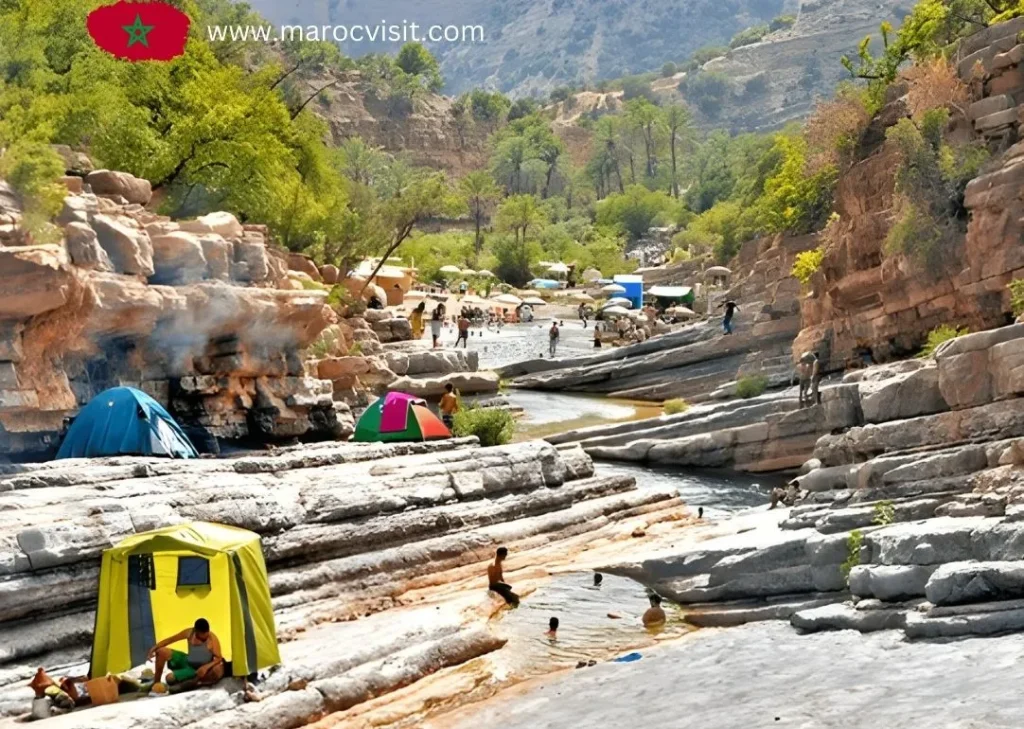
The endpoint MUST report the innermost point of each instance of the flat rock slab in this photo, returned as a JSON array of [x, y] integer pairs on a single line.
[[763, 675]]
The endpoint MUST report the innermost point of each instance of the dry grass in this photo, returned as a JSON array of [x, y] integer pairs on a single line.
[[934, 84], [832, 131]]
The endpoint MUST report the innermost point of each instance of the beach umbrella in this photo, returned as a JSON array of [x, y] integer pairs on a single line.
[[485, 273], [591, 274], [508, 300], [586, 298], [558, 268], [468, 272], [450, 269], [613, 288], [614, 311], [681, 311], [534, 301], [399, 417], [620, 301], [717, 271]]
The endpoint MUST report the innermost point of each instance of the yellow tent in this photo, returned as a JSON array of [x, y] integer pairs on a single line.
[[155, 584]]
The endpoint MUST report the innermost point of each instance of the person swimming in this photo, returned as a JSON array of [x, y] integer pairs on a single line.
[[598, 579], [552, 629], [655, 615]]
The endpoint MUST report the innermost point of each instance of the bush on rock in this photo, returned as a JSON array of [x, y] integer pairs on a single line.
[[493, 426]]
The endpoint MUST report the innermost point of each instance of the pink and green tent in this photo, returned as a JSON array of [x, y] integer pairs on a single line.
[[399, 417]]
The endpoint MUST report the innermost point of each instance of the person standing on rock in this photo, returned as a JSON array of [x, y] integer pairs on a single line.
[[463, 332], [436, 322], [416, 320], [731, 308], [553, 335], [809, 370], [496, 578], [449, 405], [582, 311]]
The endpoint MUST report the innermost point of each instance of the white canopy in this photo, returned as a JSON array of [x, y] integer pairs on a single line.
[[485, 273], [620, 301], [472, 300], [558, 268], [591, 274], [615, 311], [717, 271], [670, 292], [583, 297], [508, 300], [534, 301], [468, 272], [450, 269], [613, 288]]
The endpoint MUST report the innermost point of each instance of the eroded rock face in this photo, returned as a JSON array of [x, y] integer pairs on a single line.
[[128, 246], [178, 259], [110, 182]]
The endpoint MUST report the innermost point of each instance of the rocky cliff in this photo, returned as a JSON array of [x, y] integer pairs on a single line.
[[866, 303], [188, 311]]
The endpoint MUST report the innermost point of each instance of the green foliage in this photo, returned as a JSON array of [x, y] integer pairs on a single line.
[[930, 219], [489, 108], [793, 200], [807, 263], [669, 69], [493, 426], [634, 211], [636, 87], [708, 90], [560, 93], [938, 335], [884, 513], [324, 345], [415, 60], [32, 169], [1016, 288], [675, 406], [749, 36], [853, 545], [750, 386], [782, 21]]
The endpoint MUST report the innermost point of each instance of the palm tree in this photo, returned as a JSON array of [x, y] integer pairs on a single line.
[[518, 214], [480, 192], [679, 122]]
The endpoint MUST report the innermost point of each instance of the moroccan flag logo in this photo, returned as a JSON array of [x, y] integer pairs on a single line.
[[139, 31]]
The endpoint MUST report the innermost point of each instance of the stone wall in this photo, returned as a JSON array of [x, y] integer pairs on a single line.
[[868, 304]]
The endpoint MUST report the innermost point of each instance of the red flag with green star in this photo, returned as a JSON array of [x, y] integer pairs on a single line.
[[139, 31]]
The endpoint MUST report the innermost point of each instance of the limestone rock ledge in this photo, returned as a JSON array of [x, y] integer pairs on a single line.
[[348, 529]]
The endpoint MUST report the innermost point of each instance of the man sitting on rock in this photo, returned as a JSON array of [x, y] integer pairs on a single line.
[[203, 663], [496, 578]]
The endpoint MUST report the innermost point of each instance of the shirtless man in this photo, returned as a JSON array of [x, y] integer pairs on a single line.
[[496, 578], [203, 662], [655, 615]]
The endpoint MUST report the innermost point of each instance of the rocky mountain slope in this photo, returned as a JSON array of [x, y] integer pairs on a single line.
[[533, 46]]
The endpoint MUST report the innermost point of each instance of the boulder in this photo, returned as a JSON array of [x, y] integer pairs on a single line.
[[251, 261], [336, 368], [221, 223], [75, 162], [34, 280], [467, 383], [84, 247], [329, 274], [957, 583], [78, 208], [73, 184], [905, 395], [177, 259], [129, 248], [218, 254], [891, 583], [111, 182], [1006, 363], [304, 264]]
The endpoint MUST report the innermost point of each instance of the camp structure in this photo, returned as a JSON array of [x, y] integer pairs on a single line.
[[399, 417], [128, 422], [158, 583]]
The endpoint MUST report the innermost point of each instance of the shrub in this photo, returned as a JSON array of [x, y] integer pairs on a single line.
[[782, 21], [938, 335], [935, 84], [493, 426], [1017, 296], [884, 513], [853, 544], [751, 386], [636, 87], [708, 90], [324, 344], [675, 406], [834, 127], [755, 86], [669, 69], [807, 264], [749, 36]]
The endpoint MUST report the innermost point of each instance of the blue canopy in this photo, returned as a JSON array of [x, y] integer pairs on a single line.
[[544, 283], [125, 421]]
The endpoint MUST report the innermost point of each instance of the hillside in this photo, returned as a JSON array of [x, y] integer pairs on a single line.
[[533, 46]]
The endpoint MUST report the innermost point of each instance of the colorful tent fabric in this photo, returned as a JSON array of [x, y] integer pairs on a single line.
[[155, 584], [125, 421], [399, 417]]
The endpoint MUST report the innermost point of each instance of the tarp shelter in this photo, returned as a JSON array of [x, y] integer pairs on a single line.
[[667, 295], [158, 583], [399, 417], [634, 286], [125, 421], [545, 283]]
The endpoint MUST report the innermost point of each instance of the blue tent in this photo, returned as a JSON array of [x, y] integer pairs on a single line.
[[125, 421]]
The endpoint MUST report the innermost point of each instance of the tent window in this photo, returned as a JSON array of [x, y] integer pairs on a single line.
[[141, 572], [193, 572]]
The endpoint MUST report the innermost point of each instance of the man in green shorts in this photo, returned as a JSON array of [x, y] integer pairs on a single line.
[[203, 661]]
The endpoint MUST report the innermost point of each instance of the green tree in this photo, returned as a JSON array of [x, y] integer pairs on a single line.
[[480, 193], [416, 60], [679, 123], [647, 119], [634, 211]]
